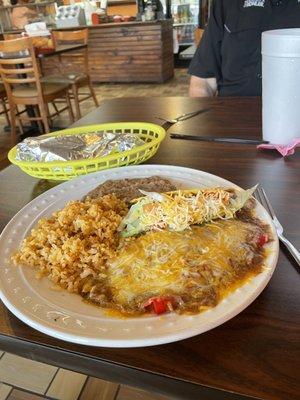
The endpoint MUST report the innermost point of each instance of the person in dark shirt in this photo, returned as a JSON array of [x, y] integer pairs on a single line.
[[228, 59]]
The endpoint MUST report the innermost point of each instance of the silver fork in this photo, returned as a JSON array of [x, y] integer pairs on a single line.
[[183, 117], [261, 196]]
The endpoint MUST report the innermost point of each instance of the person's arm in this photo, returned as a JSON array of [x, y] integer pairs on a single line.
[[21, 16], [202, 87], [206, 66]]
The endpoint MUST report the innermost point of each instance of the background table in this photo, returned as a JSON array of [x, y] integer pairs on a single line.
[[255, 354], [61, 49]]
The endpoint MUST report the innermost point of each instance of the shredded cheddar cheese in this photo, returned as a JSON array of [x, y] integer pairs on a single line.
[[177, 211]]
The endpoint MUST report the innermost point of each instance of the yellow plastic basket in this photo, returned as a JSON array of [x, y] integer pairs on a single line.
[[151, 134]]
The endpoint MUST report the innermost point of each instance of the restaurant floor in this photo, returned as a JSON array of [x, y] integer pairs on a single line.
[[23, 379], [178, 86]]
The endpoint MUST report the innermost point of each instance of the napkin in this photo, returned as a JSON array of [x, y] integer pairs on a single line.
[[284, 149], [37, 29]]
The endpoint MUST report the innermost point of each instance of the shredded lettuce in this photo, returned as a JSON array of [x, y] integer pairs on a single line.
[[242, 196]]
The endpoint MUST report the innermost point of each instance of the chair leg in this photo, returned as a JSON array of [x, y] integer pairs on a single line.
[[19, 121], [50, 122], [5, 112], [93, 93], [13, 124], [44, 116], [70, 110], [37, 114], [76, 101]]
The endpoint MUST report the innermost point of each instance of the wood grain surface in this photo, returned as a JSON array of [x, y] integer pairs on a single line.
[[255, 354], [127, 52]]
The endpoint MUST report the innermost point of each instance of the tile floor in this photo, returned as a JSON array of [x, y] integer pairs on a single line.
[[23, 379], [178, 86]]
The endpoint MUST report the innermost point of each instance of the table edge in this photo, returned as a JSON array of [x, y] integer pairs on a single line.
[[112, 371]]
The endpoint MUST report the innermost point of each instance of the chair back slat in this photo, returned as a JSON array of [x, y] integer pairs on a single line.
[[67, 37], [12, 59], [17, 81], [15, 45], [9, 71]]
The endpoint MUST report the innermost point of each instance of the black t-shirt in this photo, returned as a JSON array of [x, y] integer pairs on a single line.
[[230, 49]]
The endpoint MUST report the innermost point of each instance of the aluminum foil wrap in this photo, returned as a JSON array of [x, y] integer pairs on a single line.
[[76, 147]]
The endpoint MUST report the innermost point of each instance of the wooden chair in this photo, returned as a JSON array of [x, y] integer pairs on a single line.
[[76, 79], [21, 78]]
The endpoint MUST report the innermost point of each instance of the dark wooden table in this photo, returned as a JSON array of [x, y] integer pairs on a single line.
[[256, 354], [61, 49]]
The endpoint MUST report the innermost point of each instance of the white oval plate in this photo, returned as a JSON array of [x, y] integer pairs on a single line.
[[65, 316]]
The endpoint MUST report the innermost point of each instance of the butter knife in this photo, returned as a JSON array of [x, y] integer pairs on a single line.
[[217, 139]]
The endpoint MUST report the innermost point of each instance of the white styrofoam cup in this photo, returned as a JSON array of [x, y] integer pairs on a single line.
[[281, 85]]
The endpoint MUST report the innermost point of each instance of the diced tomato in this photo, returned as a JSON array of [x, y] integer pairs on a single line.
[[262, 240], [158, 304]]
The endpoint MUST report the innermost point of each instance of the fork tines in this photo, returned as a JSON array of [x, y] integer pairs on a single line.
[[261, 196]]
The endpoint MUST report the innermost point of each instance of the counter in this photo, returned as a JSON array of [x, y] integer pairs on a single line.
[[128, 52]]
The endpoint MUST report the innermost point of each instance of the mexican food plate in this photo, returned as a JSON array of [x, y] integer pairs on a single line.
[[136, 256]]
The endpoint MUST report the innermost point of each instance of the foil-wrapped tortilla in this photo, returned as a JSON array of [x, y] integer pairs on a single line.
[[76, 147]]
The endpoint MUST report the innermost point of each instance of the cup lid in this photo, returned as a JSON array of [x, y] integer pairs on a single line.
[[281, 43]]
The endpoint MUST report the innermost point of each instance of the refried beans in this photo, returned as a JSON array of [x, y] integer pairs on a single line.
[[129, 189]]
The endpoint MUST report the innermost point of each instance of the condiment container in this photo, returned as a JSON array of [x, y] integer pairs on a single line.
[[95, 18]]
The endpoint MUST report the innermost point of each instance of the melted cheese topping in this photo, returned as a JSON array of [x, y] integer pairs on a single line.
[[160, 263]]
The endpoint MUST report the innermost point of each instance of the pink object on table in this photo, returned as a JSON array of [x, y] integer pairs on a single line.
[[284, 149]]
